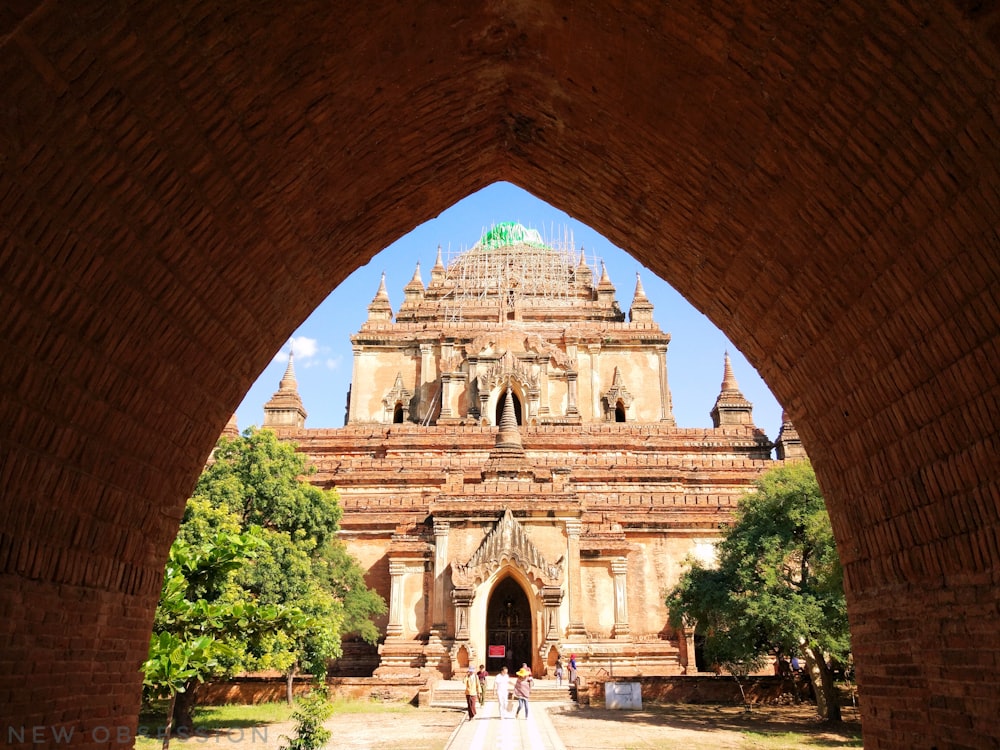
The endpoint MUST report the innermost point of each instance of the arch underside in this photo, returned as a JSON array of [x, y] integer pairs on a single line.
[[182, 183]]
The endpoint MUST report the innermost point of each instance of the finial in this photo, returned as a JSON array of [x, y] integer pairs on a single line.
[[728, 378], [288, 382]]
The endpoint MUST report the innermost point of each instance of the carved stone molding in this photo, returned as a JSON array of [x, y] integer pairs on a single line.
[[508, 542]]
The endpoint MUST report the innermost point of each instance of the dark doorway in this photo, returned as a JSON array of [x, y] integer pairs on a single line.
[[397, 415], [508, 624], [619, 412], [517, 407]]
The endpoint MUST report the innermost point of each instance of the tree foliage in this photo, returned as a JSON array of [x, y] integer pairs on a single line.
[[778, 584], [290, 608]]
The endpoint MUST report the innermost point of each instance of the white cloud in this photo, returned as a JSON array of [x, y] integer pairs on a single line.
[[303, 347], [333, 363]]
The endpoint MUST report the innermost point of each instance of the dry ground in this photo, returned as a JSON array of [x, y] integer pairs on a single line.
[[686, 726], [701, 728]]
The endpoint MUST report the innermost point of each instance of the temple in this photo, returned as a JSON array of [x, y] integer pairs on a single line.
[[510, 470]]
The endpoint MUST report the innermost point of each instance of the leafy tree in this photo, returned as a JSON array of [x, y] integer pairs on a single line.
[[778, 584], [302, 581], [186, 646]]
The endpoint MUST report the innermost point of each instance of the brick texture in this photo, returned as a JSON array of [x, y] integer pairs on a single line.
[[182, 183]]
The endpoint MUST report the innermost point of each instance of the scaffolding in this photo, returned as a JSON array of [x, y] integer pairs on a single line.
[[510, 263]]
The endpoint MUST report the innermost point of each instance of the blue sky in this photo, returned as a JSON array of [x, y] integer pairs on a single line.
[[322, 343]]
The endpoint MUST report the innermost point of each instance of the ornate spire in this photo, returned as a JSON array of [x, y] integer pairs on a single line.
[[642, 308], [731, 408], [438, 271], [416, 280], [288, 381], [285, 408], [380, 307], [231, 430], [605, 279], [788, 445], [728, 378], [413, 295], [507, 459], [509, 436]]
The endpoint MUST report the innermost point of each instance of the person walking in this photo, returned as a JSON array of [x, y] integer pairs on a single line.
[[572, 669], [522, 691], [559, 672], [501, 685], [482, 674], [471, 691]]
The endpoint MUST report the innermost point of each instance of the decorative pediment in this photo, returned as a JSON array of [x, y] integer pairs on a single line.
[[499, 343], [617, 392], [398, 395], [508, 542], [505, 369]]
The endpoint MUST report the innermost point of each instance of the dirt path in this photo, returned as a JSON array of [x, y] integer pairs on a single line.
[[699, 728]]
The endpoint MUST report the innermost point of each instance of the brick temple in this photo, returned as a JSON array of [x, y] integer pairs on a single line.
[[511, 473]]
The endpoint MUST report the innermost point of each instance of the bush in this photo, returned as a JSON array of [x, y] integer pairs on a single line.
[[310, 734]]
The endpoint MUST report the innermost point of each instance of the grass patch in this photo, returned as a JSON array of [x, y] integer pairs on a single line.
[[792, 740], [226, 723]]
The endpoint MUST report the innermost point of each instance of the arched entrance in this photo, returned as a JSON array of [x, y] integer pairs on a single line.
[[508, 624]]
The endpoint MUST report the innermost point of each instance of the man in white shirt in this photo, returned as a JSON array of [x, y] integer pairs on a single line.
[[501, 684]]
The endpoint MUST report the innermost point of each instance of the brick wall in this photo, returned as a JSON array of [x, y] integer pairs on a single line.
[[182, 183]]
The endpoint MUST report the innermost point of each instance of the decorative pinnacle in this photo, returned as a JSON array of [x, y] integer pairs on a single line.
[[382, 293], [288, 382], [728, 378], [509, 436], [640, 293]]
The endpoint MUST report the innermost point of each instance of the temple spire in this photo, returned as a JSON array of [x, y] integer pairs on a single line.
[[642, 308], [288, 381], [728, 378], [285, 408], [788, 445], [731, 408], [438, 271], [509, 436], [380, 307]]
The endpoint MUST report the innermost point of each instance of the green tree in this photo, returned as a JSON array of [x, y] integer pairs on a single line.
[[301, 572], [778, 584], [186, 646]]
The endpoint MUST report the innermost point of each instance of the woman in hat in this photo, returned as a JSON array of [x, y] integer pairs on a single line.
[[522, 691]]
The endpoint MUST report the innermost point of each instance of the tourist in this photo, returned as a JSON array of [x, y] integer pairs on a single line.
[[482, 674], [572, 669], [501, 684], [796, 667], [559, 672], [522, 691], [471, 691]]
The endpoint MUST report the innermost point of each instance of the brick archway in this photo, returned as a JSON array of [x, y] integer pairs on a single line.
[[182, 183]]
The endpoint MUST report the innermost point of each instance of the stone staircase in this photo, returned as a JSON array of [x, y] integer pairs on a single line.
[[451, 693]]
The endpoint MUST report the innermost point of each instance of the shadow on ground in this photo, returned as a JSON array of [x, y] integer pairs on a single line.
[[718, 726]]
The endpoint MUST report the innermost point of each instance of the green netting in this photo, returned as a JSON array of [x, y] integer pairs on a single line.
[[510, 233]]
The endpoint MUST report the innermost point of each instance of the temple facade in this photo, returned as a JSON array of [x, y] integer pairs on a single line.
[[510, 470]]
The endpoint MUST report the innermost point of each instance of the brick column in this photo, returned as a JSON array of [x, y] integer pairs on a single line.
[[619, 570], [571, 409], [440, 613], [397, 572], [573, 530]]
